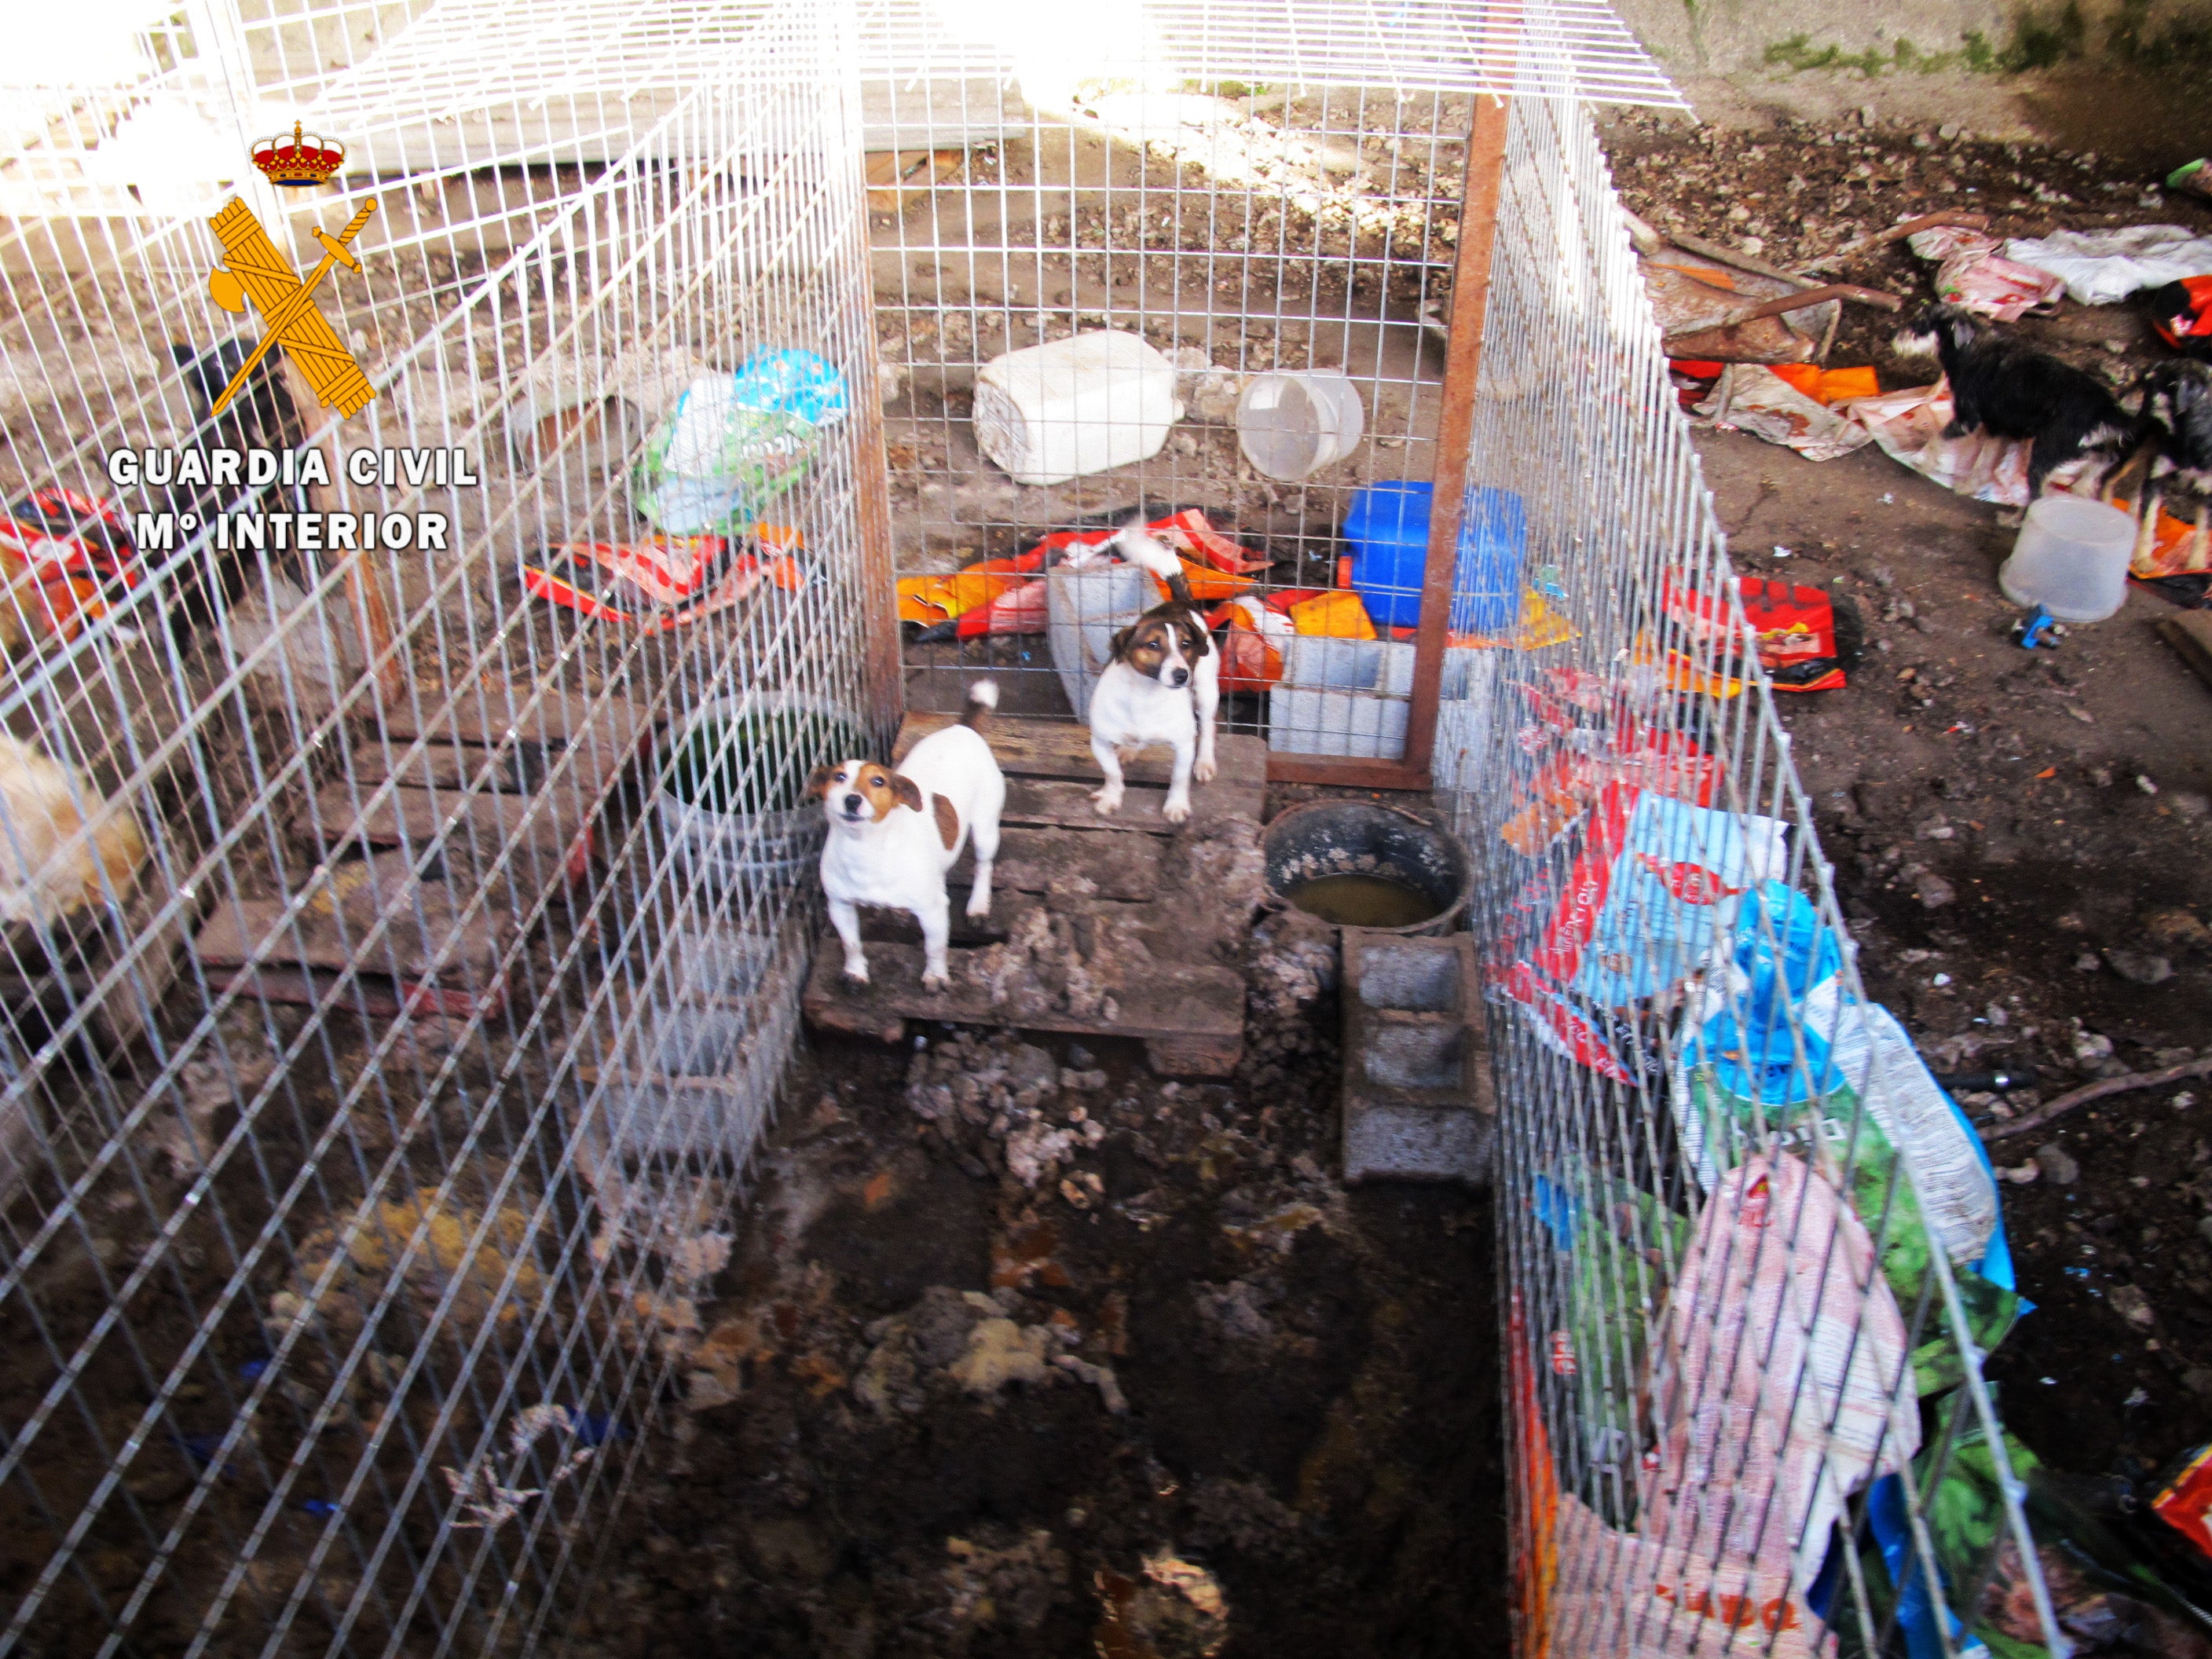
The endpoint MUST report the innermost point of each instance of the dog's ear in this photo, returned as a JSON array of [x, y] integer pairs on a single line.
[[818, 780], [1122, 641], [907, 791], [1198, 639]]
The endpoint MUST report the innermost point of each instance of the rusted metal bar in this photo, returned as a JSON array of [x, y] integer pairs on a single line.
[[1898, 233], [1478, 233], [884, 692]]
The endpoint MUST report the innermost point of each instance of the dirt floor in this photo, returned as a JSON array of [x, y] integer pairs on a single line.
[[1027, 1349]]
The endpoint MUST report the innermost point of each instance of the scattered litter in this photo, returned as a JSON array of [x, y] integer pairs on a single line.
[[735, 442], [1750, 397], [2100, 267], [1972, 274], [1175, 1611], [481, 1501]]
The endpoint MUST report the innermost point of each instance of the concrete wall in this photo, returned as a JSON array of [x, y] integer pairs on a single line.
[[2125, 77]]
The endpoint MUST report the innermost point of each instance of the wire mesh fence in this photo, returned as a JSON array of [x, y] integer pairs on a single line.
[[1753, 1255], [398, 962]]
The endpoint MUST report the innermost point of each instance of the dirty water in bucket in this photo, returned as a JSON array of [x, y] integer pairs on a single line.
[[1357, 863], [1363, 901]]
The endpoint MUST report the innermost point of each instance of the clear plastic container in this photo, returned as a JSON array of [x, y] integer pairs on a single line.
[[2071, 559], [1290, 426]]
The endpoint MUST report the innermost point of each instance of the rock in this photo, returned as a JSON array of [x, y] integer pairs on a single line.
[[2204, 1228], [1034, 1153], [2058, 1164], [1000, 1352], [1100, 1377], [2175, 929], [2189, 804], [1175, 1611], [2138, 968], [2090, 1045], [2198, 1382], [2132, 1305], [1932, 891]]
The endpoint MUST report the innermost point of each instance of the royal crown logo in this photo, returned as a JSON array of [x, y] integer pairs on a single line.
[[302, 160], [254, 273]]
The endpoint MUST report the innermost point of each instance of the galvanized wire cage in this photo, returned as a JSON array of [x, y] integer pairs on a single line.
[[1753, 1257], [399, 965]]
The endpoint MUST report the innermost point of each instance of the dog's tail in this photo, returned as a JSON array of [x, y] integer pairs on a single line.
[[1140, 547], [982, 698]]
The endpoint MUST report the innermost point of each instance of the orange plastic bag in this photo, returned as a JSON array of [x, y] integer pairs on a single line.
[[1828, 386], [1336, 615], [1249, 660], [934, 598]]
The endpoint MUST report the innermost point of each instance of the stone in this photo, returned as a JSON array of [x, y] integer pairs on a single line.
[[1932, 891], [2132, 1305], [2140, 968], [2058, 1164]]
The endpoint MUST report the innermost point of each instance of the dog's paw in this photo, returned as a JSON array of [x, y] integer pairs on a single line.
[[937, 982], [1177, 810], [1108, 802], [979, 912], [1204, 770], [856, 972]]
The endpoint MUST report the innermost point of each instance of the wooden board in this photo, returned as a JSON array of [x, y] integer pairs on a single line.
[[1152, 999], [424, 937], [1121, 864], [549, 824], [2189, 633], [1067, 804], [554, 717], [1061, 749]]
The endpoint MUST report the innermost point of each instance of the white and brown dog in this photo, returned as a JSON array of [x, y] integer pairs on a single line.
[[893, 834], [1163, 685]]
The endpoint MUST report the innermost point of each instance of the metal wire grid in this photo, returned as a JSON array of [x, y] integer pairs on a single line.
[[304, 1300], [1575, 410], [1236, 235]]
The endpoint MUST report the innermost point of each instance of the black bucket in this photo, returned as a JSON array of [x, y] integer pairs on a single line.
[[1356, 863]]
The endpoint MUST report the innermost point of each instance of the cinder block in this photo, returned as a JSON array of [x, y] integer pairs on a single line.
[[1418, 1102]]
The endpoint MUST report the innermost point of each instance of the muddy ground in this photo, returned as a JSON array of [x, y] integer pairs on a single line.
[[1026, 1349]]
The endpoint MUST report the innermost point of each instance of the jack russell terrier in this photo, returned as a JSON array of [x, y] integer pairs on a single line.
[[893, 835], [1163, 685]]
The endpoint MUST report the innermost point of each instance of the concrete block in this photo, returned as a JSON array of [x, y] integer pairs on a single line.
[[1418, 1101]]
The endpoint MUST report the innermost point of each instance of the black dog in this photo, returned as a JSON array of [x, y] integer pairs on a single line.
[[2177, 406], [200, 582], [2011, 391]]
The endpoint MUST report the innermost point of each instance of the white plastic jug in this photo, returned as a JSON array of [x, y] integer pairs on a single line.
[[2071, 559], [1057, 411]]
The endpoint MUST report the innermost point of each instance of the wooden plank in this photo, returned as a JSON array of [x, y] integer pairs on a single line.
[[1061, 749], [549, 823], [1195, 1056], [425, 935], [2189, 633], [1111, 864], [554, 717], [1340, 773], [1067, 804], [1150, 997], [438, 765]]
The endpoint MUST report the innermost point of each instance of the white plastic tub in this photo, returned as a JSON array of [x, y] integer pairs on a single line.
[[1290, 426], [1084, 609], [1048, 413], [2071, 559]]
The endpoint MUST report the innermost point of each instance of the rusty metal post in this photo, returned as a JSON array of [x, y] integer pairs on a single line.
[[1478, 233]]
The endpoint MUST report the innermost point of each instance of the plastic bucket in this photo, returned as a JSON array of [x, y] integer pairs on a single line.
[[1291, 425], [1325, 838], [1389, 529], [775, 842], [1084, 609], [2071, 558]]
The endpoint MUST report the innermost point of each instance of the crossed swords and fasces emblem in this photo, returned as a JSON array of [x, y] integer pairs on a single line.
[[255, 271]]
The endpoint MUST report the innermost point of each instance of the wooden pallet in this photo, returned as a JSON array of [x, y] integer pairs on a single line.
[[1153, 913]]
